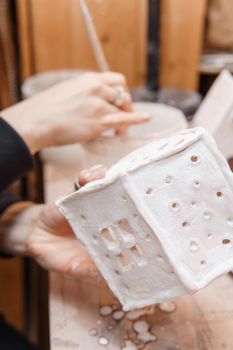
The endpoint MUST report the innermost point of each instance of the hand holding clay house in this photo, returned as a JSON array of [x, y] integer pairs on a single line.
[[165, 224]]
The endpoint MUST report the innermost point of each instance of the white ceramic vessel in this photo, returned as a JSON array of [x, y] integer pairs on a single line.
[[160, 225], [215, 114]]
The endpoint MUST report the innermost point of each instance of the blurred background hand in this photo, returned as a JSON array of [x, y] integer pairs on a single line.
[[74, 111]]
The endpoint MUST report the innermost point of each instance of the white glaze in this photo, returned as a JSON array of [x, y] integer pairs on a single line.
[[129, 345], [134, 314], [147, 337], [147, 213], [118, 315], [105, 310], [168, 306], [141, 326]]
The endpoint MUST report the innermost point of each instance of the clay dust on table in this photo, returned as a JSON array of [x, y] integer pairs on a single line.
[[133, 325]]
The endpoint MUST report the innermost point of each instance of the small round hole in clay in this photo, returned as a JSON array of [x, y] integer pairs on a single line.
[[193, 204], [195, 159], [160, 258], [175, 206], [95, 238], [148, 238], [210, 236], [124, 199], [169, 179], [226, 242], [207, 215], [149, 190], [230, 221], [186, 224], [194, 247], [83, 217], [203, 262], [117, 272], [196, 185], [219, 194]]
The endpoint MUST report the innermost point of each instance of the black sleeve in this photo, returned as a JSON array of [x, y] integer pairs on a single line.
[[15, 161], [6, 199], [15, 158]]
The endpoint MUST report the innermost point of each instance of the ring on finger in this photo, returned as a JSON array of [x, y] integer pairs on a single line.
[[120, 97], [77, 185]]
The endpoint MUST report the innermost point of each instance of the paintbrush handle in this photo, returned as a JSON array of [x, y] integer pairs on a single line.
[[94, 39]]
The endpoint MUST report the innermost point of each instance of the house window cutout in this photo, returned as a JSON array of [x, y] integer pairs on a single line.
[[123, 261], [109, 238], [125, 230], [137, 252]]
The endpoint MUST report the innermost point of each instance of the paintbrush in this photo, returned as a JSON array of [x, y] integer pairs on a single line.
[[94, 39]]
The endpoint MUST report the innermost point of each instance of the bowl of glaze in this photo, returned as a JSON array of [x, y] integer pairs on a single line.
[[42, 81]]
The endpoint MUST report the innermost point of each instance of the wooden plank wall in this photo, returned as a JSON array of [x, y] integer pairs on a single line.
[[11, 271], [11, 291], [58, 37], [53, 37], [183, 24]]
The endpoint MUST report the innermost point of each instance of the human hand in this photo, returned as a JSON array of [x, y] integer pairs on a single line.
[[74, 111], [42, 232]]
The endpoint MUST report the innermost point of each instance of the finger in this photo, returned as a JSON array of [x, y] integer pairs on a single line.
[[102, 107], [83, 267], [118, 97], [124, 119], [50, 216], [95, 173], [122, 99], [66, 256], [122, 132], [113, 79]]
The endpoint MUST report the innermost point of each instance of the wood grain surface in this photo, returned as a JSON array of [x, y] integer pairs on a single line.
[[53, 36]]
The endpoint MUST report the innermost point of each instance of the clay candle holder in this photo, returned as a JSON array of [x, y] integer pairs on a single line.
[[160, 225]]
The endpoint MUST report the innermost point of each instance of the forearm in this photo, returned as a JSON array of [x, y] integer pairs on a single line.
[[17, 116], [16, 224]]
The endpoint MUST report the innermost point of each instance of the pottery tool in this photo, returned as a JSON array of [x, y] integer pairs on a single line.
[[94, 38]]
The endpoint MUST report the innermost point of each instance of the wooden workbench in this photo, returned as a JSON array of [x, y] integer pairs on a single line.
[[203, 321]]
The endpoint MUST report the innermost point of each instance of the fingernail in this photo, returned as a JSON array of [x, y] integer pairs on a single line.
[[146, 115], [75, 266], [95, 274], [89, 172], [95, 167], [86, 173], [95, 173]]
